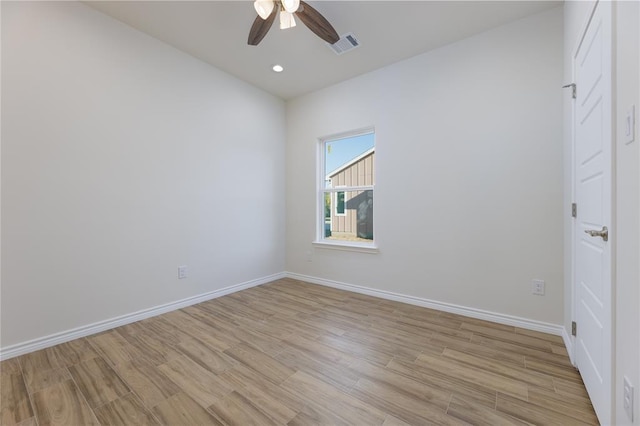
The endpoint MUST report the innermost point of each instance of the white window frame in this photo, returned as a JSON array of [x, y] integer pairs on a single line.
[[320, 240]]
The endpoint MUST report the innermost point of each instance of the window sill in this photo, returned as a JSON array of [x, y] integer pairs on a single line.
[[361, 248]]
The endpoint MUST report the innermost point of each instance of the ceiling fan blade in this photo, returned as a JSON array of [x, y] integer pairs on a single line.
[[317, 23], [261, 27]]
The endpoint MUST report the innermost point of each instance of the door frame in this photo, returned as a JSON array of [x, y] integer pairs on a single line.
[[574, 299]]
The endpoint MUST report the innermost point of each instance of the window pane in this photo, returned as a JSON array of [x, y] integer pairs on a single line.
[[340, 202], [356, 223], [345, 162]]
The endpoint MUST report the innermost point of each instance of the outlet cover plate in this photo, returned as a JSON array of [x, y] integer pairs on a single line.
[[627, 396], [537, 287], [182, 272]]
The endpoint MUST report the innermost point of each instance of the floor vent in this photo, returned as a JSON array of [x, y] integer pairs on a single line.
[[346, 43]]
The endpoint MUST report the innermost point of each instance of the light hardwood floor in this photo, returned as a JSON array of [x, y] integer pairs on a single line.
[[300, 354]]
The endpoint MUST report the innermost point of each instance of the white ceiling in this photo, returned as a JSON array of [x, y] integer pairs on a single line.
[[389, 31]]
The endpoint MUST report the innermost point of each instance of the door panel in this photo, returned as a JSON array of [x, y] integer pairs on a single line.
[[592, 157]]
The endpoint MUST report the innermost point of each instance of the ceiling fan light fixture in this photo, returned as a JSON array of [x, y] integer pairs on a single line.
[[264, 7], [286, 20], [310, 17], [291, 5]]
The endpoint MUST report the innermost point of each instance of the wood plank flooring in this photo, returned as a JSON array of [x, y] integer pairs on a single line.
[[294, 353]]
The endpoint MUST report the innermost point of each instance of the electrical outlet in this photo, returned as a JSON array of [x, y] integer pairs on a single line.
[[627, 396], [537, 287], [182, 272]]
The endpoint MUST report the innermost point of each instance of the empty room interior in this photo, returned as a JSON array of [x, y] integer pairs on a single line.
[[320, 213]]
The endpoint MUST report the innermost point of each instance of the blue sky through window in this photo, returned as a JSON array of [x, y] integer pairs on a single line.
[[340, 151]]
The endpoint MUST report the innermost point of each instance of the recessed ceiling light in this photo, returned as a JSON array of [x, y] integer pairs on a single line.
[[278, 68]]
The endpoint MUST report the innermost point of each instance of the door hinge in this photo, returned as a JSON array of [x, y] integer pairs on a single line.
[[574, 328], [574, 210], [573, 89]]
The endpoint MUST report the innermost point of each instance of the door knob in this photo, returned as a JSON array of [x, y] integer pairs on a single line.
[[604, 233]]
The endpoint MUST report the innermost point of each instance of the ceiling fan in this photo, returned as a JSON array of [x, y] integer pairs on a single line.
[[268, 9]]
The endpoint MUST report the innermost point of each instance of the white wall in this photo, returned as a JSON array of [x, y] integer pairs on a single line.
[[626, 71], [469, 172], [123, 158], [627, 75]]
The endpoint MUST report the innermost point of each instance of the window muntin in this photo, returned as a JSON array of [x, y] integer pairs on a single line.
[[346, 189]]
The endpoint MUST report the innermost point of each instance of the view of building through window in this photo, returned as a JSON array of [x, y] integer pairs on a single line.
[[348, 188]]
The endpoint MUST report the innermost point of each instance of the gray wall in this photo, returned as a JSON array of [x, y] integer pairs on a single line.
[[117, 153], [468, 172]]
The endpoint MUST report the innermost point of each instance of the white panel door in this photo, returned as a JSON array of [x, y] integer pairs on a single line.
[[593, 192]]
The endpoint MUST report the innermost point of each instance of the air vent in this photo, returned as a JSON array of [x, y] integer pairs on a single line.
[[346, 43]]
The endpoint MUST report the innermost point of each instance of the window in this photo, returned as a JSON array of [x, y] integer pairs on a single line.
[[346, 186], [339, 203]]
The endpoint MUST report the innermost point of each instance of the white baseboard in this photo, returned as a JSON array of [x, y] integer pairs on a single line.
[[511, 320], [86, 330], [568, 343]]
